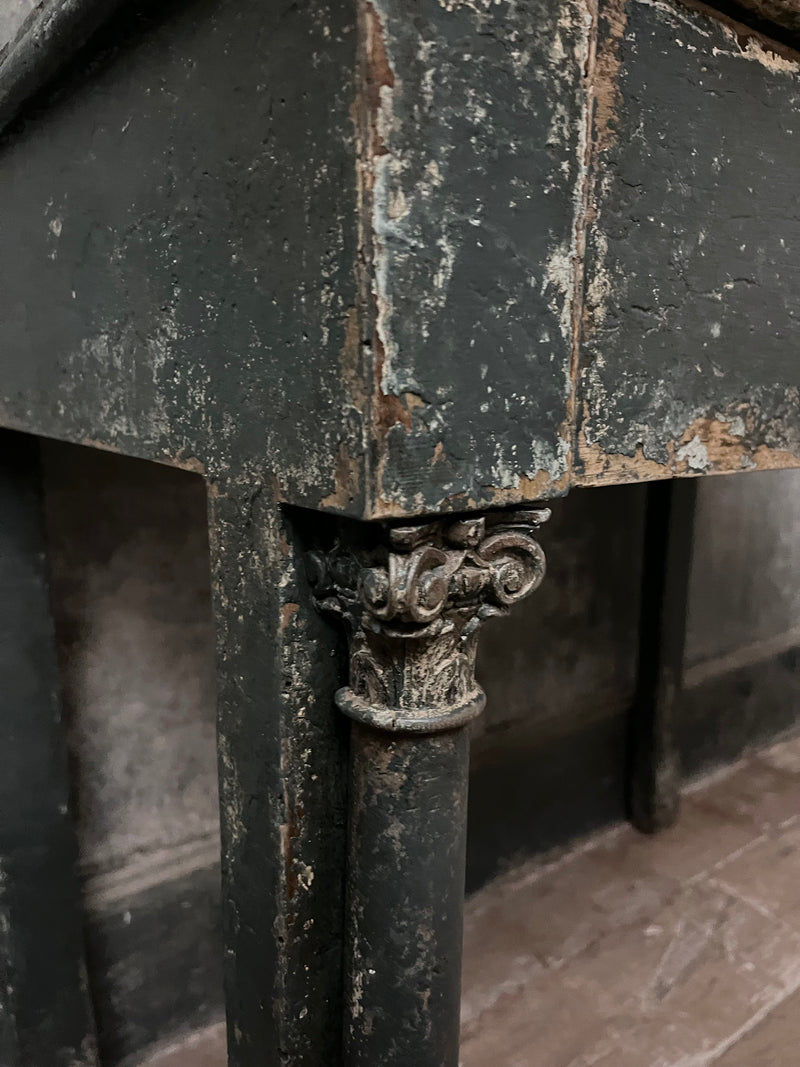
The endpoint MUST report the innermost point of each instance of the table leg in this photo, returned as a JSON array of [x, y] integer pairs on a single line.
[[413, 599], [654, 772], [405, 903], [282, 774]]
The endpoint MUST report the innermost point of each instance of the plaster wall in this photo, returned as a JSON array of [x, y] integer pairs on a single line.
[[745, 587], [131, 594], [12, 14]]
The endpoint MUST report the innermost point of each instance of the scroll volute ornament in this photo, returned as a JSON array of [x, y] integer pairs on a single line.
[[413, 603]]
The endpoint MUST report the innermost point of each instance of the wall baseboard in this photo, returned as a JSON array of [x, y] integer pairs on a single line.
[[155, 960], [725, 714]]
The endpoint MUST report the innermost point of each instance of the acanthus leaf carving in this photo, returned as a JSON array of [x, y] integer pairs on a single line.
[[413, 601]]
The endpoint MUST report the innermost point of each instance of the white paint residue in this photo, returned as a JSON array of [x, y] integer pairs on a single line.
[[695, 453], [736, 427], [757, 53], [675, 15], [480, 7], [305, 875]]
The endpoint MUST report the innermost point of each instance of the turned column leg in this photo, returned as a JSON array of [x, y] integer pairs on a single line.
[[413, 599], [405, 897]]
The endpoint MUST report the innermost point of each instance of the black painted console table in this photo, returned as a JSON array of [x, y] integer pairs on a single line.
[[393, 276]]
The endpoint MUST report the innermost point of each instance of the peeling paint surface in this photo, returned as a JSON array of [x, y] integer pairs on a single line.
[[407, 844], [331, 254], [389, 318], [470, 186], [180, 227], [177, 283], [691, 315]]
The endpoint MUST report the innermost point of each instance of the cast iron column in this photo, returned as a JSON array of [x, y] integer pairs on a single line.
[[413, 598]]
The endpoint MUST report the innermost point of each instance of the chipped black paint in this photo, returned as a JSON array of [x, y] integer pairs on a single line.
[[178, 260], [472, 213], [413, 600], [329, 253], [210, 286], [691, 293], [179, 228], [185, 223], [282, 765]]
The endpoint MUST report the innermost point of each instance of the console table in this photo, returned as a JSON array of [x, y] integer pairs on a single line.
[[393, 276]]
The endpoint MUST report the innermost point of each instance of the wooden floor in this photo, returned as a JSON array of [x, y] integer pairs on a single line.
[[681, 950]]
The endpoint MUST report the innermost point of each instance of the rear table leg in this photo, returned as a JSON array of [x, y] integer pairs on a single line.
[[654, 772]]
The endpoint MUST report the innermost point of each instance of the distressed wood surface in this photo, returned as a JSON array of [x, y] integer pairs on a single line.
[[331, 254], [178, 227], [691, 312], [179, 238], [369, 284], [473, 118], [282, 765], [224, 265]]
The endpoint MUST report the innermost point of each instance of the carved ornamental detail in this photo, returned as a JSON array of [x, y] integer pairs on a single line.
[[413, 600]]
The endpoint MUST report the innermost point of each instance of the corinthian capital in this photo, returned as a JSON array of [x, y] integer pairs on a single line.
[[413, 599]]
